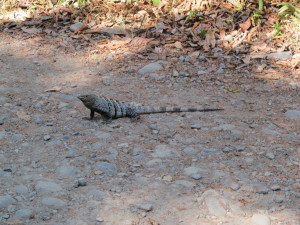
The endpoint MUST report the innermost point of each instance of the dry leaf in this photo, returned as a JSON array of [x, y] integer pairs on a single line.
[[210, 41], [246, 25], [247, 59], [178, 44], [167, 178], [194, 54], [103, 42], [24, 116], [259, 46], [222, 34], [140, 41], [233, 90], [268, 77]]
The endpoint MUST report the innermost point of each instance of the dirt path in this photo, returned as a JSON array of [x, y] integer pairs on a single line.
[[239, 166]]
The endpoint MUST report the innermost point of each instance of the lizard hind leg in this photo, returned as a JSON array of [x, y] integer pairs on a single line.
[[131, 113]]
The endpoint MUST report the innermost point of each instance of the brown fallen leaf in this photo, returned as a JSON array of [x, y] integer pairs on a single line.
[[103, 42], [140, 41], [246, 25], [178, 45], [247, 59], [62, 9], [268, 77], [210, 41], [23, 115], [222, 34]]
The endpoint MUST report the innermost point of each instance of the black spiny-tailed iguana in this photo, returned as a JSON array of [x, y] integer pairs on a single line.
[[112, 109]]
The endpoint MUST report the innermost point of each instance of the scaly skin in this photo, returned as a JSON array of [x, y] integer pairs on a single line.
[[112, 109]]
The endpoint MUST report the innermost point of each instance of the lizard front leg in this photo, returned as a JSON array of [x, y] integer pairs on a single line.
[[92, 114]]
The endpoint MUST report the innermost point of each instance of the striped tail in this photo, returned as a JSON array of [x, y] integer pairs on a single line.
[[148, 110]]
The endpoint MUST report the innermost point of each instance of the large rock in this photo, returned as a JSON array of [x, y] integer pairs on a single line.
[[6, 201], [185, 183], [76, 26], [23, 213], [150, 68], [212, 200], [211, 151], [44, 187], [2, 134], [293, 114], [189, 171], [66, 171], [260, 219], [107, 168], [54, 203], [21, 189], [164, 151]]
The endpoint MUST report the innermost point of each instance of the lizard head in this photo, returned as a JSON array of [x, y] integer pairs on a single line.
[[86, 97]]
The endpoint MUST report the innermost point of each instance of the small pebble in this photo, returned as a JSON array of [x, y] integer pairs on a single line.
[[262, 190], [7, 169], [153, 127], [240, 148], [47, 137], [182, 58], [196, 176], [99, 219], [106, 82], [82, 182], [235, 186], [39, 121], [275, 188], [130, 70], [65, 137], [183, 74], [196, 126], [270, 155], [227, 149], [5, 216], [93, 155], [146, 207]]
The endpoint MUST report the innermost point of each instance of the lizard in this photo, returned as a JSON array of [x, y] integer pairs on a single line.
[[113, 109]]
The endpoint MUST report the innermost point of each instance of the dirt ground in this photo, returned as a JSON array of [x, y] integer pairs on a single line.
[[237, 166]]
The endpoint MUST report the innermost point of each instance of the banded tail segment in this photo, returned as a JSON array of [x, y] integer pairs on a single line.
[[149, 110]]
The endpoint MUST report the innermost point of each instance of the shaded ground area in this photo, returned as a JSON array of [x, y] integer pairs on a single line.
[[238, 166]]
